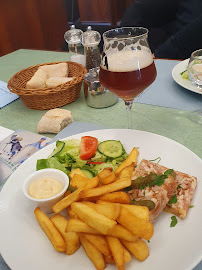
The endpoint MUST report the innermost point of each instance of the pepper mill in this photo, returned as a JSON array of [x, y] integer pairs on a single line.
[[90, 40], [73, 38]]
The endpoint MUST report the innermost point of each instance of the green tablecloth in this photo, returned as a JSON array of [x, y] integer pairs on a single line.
[[168, 122]]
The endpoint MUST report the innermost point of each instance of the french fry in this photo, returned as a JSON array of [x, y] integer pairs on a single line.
[[93, 218], [118, 185], [71, 238], [117, 251], [122, 233], [115, 197], [137, 226], [132, 158], [72, 242], [108, 179], [137, 210], [104, 173], [109, 260], [138, 248], [67, 192], [93, 253], [110, 210], [71, 213], [77, 225], [126, 255], [76, 171], [99, 242], [79, 181], [50, 230], [66, 201], [90, 199], [73, 197], [127, 171]]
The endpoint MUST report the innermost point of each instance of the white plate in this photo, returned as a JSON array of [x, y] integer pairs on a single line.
[[24, 245], [182, 66]]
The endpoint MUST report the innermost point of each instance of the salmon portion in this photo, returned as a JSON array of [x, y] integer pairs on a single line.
[[183, 186]]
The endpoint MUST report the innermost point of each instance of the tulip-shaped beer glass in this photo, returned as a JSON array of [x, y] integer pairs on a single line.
[[127, 66]]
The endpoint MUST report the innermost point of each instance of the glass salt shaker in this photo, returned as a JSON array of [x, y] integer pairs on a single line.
[[73, 38], [96, 95], [90, 40]]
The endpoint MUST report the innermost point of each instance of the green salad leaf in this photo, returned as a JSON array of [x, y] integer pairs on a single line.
[[66, 157]]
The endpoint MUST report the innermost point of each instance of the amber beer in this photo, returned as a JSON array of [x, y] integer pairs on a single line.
[[124, 82]]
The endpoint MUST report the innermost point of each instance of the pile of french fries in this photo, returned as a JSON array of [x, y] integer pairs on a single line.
[[101, 218]]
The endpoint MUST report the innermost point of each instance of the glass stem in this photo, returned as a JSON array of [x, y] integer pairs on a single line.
[[129, 113]]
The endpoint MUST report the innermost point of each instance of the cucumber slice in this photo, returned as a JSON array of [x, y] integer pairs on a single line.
[[87, 173], [59, 147], [111, 148]]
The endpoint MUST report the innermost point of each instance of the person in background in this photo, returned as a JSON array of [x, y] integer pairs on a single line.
[[174, 25], [183, 43]]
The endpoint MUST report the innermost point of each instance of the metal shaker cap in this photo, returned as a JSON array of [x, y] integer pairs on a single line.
[[90, 38], [73, 36], [93, 75]]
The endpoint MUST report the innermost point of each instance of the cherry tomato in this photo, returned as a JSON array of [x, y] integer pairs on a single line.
[[88, 147]]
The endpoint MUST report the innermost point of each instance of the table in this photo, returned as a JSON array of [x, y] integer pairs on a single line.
[[169, 122], [172, 123]]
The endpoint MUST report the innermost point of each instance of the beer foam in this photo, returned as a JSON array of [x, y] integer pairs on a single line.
[[129, 60]]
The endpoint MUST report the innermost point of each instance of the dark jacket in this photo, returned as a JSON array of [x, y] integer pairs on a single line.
[[165, 19], [183, 43]]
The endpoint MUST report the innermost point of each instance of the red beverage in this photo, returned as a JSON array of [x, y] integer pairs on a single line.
[[128, 85], [128, 73]]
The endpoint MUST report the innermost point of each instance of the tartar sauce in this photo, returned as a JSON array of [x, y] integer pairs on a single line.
[[44, 188]]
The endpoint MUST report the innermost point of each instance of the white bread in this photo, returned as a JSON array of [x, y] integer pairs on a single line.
[[54, 121], [55, 81], [56, 70], [38, 80]]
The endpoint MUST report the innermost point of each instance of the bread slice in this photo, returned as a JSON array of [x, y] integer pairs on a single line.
[[55, 70], [183, 186], [38, 80], [55, 81], [54, 121]]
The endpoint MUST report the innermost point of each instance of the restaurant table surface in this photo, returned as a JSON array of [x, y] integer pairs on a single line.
[[165, 121]]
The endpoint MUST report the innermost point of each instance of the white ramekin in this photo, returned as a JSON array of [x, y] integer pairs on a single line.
[[46, 204]]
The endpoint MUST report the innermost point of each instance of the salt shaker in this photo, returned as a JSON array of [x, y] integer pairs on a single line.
[[90, 40], [73, 38]]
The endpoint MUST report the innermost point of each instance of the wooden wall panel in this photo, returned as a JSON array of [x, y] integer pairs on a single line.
[[101, 11], [32, 24]]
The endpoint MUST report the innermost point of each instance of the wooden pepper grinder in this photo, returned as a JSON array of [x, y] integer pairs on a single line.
[[90, 40]]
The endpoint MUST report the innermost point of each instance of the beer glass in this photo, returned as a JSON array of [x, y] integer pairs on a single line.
[[127, 66], [195, 75]]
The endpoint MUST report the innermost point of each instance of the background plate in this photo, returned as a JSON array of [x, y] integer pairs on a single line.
[[24, 246], [182, 66]]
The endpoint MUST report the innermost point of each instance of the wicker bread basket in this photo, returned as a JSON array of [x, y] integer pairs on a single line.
[[48, 98]]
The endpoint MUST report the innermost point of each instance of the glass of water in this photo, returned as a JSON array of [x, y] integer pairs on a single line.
[[195, 76]]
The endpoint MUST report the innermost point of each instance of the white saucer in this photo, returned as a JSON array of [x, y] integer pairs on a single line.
[[182, 66]]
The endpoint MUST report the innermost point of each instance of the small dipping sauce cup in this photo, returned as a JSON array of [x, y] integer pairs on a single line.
[[46, 204]]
